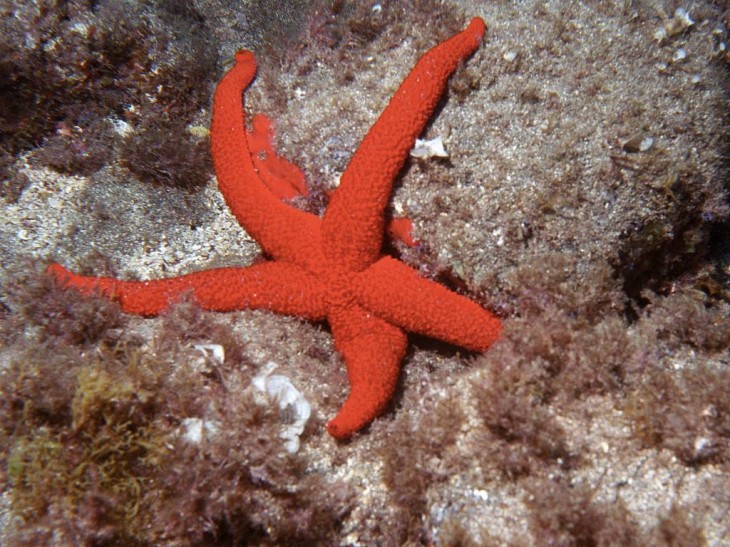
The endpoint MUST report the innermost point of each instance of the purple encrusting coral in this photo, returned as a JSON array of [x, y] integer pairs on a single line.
[[584, 197]]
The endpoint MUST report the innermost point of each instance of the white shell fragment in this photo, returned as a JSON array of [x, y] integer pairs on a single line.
[[212, 351], [122, 128], [295, 409], [429, 149], [638, 143], [194, 430], [682, 17], [676, 25]]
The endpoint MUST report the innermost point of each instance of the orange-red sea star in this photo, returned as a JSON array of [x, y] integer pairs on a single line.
[[328, 268]]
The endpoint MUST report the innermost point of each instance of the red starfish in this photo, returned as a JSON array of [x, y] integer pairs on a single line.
[[329, 268]]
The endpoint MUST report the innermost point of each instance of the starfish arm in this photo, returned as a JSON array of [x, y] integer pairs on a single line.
[[353, 223], [395, 292], [373, 351], [283, 232], [279, 287]]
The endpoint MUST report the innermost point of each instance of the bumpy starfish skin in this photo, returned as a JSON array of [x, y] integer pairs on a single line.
[[329, 268]]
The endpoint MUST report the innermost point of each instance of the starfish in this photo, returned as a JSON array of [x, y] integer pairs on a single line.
[[328, 268]]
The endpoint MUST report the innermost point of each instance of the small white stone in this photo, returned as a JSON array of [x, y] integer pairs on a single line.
[[710, 411], [481, 495], [509, 56], [498, 234], [700, 444]]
